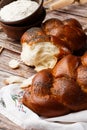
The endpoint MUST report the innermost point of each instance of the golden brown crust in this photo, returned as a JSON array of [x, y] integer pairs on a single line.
[[69, 31], [63, 89], [41, 100], [72, 22], [59, 91], [61, 45], [46, 107], [50, 26], [67, 66], [34, 35], [70, 94], [74, 37]]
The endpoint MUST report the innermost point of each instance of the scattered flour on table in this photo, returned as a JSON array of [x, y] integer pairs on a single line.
[[18, 10]]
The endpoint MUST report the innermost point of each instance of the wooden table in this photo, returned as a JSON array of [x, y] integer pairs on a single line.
[[12, 50]]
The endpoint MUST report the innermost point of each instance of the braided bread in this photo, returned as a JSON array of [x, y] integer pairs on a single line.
[[61, 90], [42, 47], [69, 31]]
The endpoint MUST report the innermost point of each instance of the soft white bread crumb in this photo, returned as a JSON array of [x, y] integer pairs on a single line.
[[27, 82], [13, 79], [41, 55], [14, 64]]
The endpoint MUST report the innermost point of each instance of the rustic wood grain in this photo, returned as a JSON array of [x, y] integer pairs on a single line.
[[76, 9], [22, 71], [12, 50]]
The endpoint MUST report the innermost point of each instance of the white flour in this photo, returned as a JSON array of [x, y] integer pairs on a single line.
[[18, 10]]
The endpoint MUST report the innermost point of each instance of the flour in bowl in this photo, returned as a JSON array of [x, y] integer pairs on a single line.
[[18, 10]]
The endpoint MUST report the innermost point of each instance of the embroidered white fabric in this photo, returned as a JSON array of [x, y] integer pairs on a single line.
[[13, 109]]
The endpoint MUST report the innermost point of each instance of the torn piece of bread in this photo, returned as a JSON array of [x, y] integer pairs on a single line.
[[27, 82], [43, 46], [40, 55], [40, 50], [13, 79], [14, 64]]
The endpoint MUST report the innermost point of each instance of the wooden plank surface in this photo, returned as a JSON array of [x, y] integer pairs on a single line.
[[12, 50]]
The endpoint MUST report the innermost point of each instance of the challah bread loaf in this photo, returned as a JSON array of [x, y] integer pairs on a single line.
[[69, 30], [61, 90], [41, 50], [43, 46], [40, 99]]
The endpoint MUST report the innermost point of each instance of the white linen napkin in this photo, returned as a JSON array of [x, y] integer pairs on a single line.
[[13, 109]]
